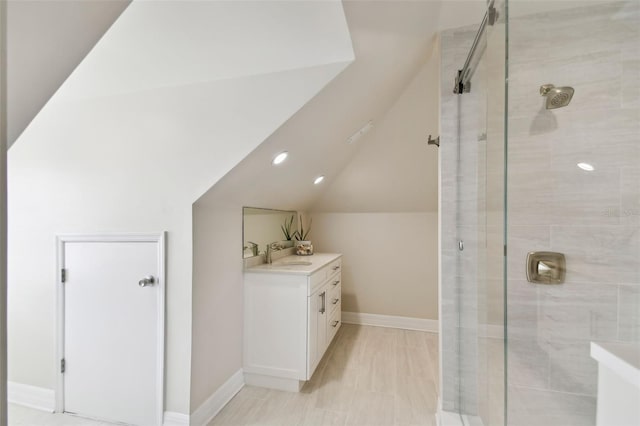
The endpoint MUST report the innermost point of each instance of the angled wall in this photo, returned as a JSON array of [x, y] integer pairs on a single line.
[[381, 210], [151, 119]]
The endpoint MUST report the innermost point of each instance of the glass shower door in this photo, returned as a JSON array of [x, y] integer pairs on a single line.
[[481, 226], [473, 222]]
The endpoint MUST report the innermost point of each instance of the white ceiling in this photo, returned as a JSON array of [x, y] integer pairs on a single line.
[[392, 40], [46, 40]]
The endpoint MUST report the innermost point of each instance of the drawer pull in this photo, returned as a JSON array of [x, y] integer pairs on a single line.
[[335, 301], [335, 283], [335, 323], [335, 268]]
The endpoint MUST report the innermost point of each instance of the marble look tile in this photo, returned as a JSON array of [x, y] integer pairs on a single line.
[[629, 313], [533, 407], [599, 254], [631, 76], [598, 85], [577, 312], [572, 368], [528, 363], [630, 194], [620, 151], [522, 313]]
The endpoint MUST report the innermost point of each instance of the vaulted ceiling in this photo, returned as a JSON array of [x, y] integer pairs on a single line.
[[46, 40], [393, 43]]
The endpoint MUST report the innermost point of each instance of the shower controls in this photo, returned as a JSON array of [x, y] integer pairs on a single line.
[[546, 267]]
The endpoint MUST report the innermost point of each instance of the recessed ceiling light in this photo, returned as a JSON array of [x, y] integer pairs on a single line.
[[280, 158], [586, 166], [318, 180]]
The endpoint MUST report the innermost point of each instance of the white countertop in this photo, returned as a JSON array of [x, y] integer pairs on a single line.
[[280, 266], [622, 358]]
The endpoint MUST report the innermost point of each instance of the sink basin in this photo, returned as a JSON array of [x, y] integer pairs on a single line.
[[296, 262]]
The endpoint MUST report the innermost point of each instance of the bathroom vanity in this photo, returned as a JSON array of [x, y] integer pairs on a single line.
[[292, 313]]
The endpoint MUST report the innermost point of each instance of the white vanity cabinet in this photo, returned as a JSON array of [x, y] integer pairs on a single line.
[[292, 312]]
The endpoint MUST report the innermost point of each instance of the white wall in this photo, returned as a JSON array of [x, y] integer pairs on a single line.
[[381, 210], [135, 161], [217, 298], [390, 260]]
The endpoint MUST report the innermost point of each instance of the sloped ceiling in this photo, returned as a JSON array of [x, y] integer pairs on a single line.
[[392, 40], [46, 40]]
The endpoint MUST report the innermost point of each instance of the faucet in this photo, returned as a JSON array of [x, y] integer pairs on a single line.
[[270, 249], [268, 254], [254, 248]]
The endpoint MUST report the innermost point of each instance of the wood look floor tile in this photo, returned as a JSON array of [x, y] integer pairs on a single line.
[[369, 376], [371, 409]]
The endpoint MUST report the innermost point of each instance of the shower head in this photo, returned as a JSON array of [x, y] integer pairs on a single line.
[[557, 97]]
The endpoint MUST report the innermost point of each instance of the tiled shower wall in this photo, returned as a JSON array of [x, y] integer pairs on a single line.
[[591, 217]]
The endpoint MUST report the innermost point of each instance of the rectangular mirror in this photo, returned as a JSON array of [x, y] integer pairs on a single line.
[[262, 227]]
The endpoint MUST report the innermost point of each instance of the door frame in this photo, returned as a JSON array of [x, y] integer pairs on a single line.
[[61, 239]]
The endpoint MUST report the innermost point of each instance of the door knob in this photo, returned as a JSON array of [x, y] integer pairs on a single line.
[[148, 280]]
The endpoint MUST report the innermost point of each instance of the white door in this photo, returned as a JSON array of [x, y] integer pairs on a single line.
[[112, 346]]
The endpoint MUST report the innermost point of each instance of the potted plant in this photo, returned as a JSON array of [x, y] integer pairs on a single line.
[[303, 245], [288, 231]]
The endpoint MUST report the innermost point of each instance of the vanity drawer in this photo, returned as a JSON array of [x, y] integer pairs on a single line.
[[335, 297], [320, 277], [335, 266], [335, 321]]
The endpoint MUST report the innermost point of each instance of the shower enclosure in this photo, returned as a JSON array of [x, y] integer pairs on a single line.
[[539, 152]]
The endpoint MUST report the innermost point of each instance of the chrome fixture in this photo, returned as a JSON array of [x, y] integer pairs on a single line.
[[546, 267], [463, 78], [435, 141], [557, 97], [148, 280], [254, 248], [270, 249]]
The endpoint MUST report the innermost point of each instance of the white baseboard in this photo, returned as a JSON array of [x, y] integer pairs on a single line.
[[31, 396], [391, 321], [171, 418], [44, 399], [218, 400]]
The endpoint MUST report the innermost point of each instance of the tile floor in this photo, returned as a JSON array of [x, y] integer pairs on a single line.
[[369, 376], [23, 416]]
